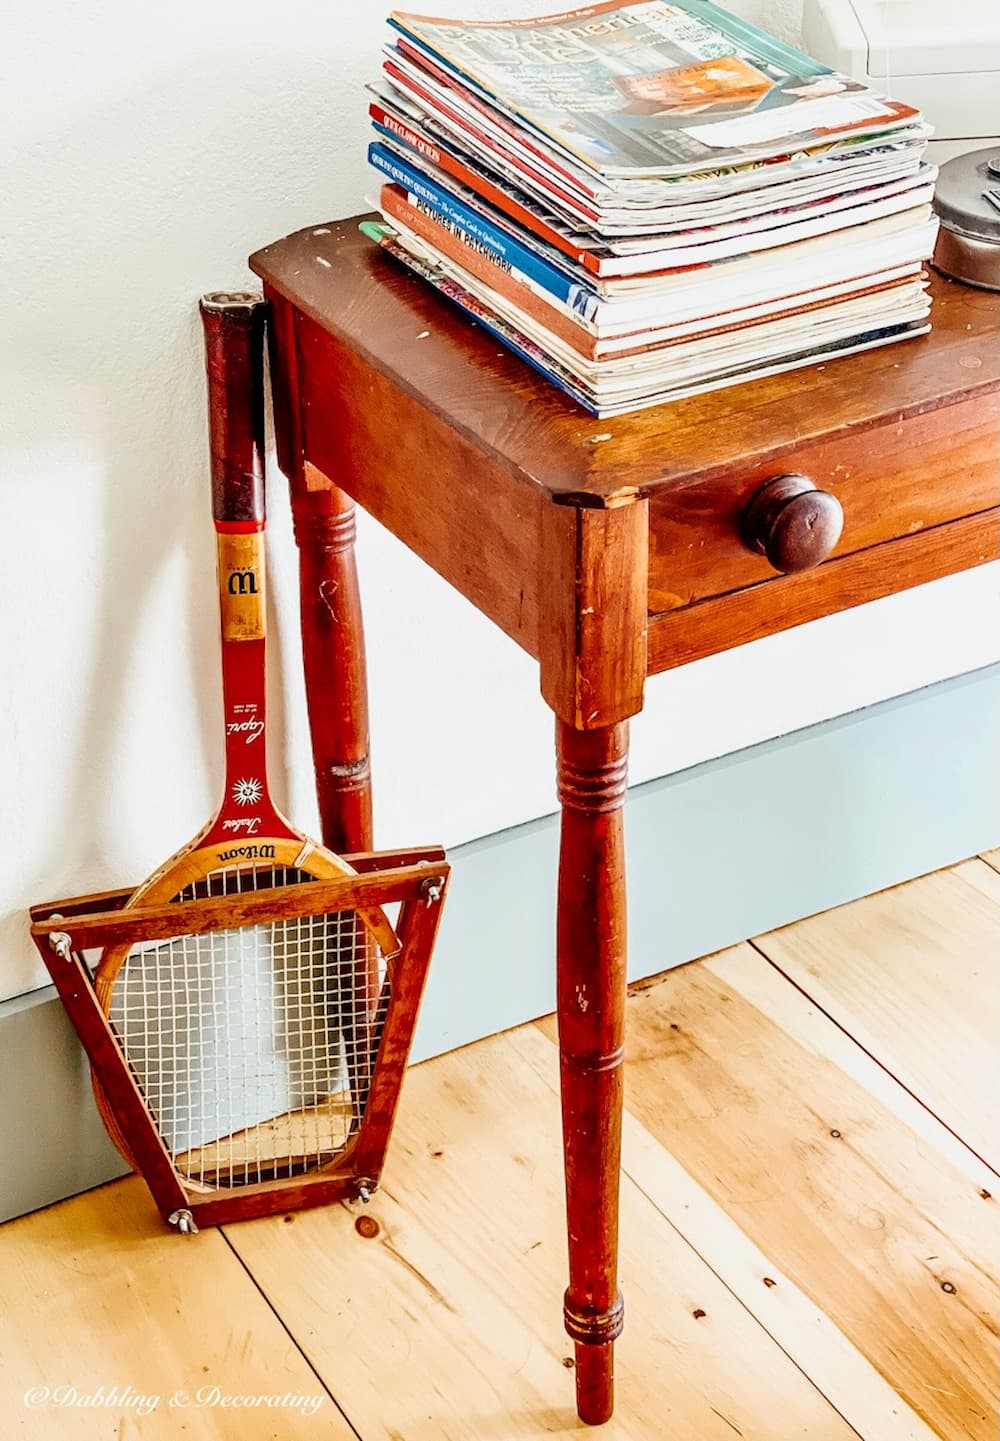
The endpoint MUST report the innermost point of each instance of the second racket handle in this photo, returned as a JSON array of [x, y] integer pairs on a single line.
[[233, 322]]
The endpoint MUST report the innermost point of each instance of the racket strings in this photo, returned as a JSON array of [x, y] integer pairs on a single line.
[[254, 1047]]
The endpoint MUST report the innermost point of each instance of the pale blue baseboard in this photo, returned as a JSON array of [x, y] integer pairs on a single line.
[[717, 853], [52, 1141], [730, 849]]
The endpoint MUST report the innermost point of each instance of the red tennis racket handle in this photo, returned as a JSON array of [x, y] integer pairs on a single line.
[[234, 359]]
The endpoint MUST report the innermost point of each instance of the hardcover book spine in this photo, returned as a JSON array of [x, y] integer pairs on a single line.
[[580, 299]]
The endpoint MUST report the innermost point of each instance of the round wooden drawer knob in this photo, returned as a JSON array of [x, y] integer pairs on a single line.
[[791, 522]]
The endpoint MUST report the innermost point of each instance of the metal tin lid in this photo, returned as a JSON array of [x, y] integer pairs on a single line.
[[961, 196]]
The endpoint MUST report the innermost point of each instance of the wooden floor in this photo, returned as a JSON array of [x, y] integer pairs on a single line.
[[809, 1216]]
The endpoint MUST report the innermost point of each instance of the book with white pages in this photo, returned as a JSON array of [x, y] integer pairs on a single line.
[[669, 297]]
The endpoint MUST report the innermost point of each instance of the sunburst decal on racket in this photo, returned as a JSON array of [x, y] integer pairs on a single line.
[[247, 792]]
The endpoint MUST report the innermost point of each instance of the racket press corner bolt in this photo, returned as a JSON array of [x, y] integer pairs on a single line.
[[184, 1221], [432, 889], [365, 1188], [60, 941]]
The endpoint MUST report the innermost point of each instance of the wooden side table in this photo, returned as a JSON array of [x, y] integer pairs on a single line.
[[609, 550]]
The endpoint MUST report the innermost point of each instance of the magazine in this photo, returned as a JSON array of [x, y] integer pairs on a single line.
[[888, 240], [602, 245], [646, 199], [640, 88], [518, 302], [454, 114], [649, 390], [683, 243]]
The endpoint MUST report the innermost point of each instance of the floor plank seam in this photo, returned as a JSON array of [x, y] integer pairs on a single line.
[[827, 1269], [982, 865], [289, 1333], [740, 1302], [755, 945]]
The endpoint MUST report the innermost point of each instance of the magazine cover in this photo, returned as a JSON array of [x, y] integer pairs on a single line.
[[634, 87]]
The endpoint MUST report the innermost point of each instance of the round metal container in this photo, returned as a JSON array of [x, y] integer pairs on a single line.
[[968, 243]]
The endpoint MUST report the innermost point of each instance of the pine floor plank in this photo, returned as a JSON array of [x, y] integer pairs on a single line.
[[808, 1252], [801, 1328], [980, 873], [446, 1326], [729, 1070], [94, 1291], [913, 974]]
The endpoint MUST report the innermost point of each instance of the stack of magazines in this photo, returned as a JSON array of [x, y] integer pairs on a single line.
[[647, 200]]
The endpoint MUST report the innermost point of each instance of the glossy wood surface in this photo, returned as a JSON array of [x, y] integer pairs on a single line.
[[333, 642], [893, 480], [106, 901], [374, 1027], [592, 613], [333, 657], [111, 925], [611, 550], [464, 453], [404, 331], [590, 989], [233, 324], [792, 522], [682, 635], [456, 506]]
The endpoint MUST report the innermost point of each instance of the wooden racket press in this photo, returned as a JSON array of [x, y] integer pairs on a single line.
[[248, 1010]]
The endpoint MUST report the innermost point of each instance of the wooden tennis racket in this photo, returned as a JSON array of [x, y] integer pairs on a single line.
[[251, 1048]]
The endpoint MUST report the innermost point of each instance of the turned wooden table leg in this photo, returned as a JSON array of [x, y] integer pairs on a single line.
[[333, 644], [333, 650], [591, 982]]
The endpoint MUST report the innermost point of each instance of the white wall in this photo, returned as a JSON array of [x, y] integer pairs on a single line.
[[147, 152]]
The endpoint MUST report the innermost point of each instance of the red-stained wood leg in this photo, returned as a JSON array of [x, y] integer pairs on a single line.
[[591, 979], [333, 651], [333, 642]]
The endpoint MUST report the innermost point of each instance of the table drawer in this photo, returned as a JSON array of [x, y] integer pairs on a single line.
[[892, 481]]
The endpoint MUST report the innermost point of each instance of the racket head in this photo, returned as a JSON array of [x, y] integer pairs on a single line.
[[253, 1047]]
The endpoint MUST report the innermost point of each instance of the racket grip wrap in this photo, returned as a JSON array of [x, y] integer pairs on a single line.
[[233, 323]]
